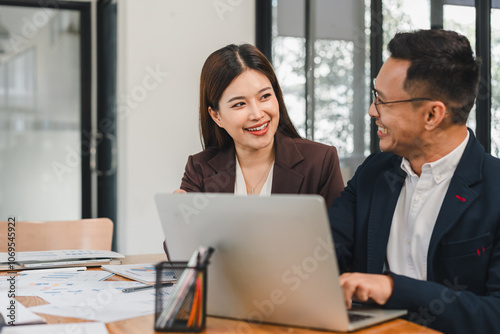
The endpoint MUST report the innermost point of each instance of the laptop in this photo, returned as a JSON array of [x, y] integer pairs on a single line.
[[274, 260]]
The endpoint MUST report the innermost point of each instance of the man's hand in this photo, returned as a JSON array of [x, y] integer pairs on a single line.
[[365, 287], [179, 191]]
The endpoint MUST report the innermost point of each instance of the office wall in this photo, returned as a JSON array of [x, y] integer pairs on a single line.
[[162, 45]]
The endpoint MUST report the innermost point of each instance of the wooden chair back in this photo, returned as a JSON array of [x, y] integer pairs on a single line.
[[95, 234]]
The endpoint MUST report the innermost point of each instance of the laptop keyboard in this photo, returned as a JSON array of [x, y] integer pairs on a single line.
[[353, 317]]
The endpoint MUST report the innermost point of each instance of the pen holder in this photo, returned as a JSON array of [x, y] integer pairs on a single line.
[[181, 307]]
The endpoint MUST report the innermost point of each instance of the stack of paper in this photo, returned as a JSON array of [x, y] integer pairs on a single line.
[[58, 258]]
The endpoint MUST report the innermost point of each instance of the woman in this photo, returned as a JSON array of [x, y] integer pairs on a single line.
[[250, 144]]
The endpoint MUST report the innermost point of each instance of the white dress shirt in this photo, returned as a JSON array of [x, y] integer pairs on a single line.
[[416, 212], [240, 186]]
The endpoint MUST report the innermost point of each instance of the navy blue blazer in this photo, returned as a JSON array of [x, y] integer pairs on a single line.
[[462, 291]]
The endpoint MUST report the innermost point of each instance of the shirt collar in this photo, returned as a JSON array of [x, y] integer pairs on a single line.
[[440, 169]]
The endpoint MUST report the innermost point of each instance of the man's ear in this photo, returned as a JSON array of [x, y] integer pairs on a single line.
[[435, 115], [214, 115]]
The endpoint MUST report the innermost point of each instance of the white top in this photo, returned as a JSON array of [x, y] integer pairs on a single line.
[[240, 186], [416, 212]]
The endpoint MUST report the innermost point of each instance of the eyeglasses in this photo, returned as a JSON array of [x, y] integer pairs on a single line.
[[376, 100]]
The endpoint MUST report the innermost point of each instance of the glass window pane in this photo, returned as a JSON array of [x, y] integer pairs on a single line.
[[495, 82], [341, 78], [40, 159], [3, 86], [289, 56], [403, 15], [462, 19], [341, 81], [289, 64], [334, 94]]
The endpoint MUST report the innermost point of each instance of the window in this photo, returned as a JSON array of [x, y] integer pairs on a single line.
[[324, 61], [321, 57], [495, 82], [462, 19], [17, 89]]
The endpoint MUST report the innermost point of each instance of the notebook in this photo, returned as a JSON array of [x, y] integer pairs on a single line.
[[274, 260]]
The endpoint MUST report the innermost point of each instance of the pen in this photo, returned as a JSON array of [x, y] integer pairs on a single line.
[[51, 270], [143, 287]]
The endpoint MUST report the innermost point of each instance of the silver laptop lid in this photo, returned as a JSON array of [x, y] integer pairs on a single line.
[[274, 260]]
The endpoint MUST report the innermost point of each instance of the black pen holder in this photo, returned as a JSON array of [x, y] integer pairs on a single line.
[[180, 307]]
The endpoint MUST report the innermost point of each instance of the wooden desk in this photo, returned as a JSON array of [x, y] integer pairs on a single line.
[[144, 325]]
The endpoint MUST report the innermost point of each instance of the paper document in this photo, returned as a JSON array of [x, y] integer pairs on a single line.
[[67, 276], [35, 284], [17, 313], [144, 272], [68, 292], [101, 301]]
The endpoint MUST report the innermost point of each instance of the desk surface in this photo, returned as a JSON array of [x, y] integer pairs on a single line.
[[144, 325]]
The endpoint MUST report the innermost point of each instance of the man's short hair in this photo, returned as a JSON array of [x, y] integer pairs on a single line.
[[442, 68]]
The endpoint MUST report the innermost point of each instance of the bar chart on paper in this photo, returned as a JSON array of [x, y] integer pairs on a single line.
[[73, 276]]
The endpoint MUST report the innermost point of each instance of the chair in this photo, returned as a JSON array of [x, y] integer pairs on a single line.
[[95, 234]]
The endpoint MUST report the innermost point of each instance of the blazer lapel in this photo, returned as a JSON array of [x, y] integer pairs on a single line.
[[224, 164], [384, 199], [287, 180], [458, 197]]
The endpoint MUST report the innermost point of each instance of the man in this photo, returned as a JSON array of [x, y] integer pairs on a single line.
[[417, 227]]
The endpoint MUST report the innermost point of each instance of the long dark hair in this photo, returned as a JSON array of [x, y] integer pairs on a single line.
[[219, 70]]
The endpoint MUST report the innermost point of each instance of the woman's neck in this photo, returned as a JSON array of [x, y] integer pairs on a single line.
[[255, 158], [255, 166]]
